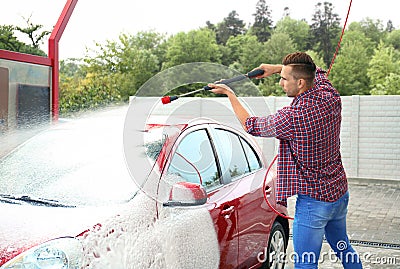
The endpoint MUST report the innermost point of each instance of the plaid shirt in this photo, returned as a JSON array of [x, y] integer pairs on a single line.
[[309, 160]]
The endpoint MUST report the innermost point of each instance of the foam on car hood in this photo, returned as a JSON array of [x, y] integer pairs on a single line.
[[25, 226]]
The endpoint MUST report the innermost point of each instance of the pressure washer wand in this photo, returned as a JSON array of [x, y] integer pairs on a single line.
[[251, 74]]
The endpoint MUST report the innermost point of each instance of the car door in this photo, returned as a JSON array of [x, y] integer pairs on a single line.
[[242, 165], [195, 160], [255, 216]]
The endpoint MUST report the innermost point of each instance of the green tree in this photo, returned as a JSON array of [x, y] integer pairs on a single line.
[[390, 86], [298, 31], [373, 29], [389, 26], [381, 65], [72, 68], [91, 92], [286, 12], [348, 73], [194, 46], [251, 53], [230, 26], [245, 52], [8, 41], [355, 32], [325, 30], [318, 60], [34, 32], [262, 26], [127, 63], [393, 39], [234, 47], [279, 45], [276, 48], [270, 86], [227, 56], [71, 75]]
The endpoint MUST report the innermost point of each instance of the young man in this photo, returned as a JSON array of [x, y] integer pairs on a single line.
[[309, 160]]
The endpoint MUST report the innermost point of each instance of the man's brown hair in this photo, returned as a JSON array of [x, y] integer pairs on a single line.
[[302, 65]]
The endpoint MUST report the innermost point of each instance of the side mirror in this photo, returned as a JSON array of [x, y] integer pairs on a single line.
[[186, 194]]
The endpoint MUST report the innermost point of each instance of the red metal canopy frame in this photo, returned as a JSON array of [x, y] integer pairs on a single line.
[[52, 60]]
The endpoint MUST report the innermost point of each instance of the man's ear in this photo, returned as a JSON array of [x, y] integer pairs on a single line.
[[301, 83]]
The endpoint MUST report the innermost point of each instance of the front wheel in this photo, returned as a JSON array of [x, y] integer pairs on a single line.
[[276, 250]]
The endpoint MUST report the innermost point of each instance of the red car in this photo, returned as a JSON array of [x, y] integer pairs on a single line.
[[69, 201]]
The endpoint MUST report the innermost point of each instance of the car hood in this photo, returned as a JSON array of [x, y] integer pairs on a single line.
[[24, 226]]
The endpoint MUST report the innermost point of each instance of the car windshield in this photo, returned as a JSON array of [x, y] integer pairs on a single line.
[[75, 162], [147, 148]]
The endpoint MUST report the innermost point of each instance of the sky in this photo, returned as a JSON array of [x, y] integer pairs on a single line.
[[97, 21]]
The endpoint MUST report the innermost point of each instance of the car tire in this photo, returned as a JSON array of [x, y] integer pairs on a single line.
[[276, 249]]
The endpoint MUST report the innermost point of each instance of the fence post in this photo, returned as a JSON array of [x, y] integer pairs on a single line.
[[354, 134]]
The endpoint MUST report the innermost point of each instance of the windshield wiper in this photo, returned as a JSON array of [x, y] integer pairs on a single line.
[[6, 198], [34, 201]]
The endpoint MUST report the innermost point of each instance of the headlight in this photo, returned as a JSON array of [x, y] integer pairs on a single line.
[[61, 253]]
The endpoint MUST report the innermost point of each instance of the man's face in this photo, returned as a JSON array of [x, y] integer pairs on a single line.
[[289, 84]]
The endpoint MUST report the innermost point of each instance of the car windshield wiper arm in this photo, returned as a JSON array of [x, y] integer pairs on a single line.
[[6, 198], [35, 201]]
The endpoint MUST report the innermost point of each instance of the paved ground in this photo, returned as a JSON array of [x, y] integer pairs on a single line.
[[373, 224], [374, 211]]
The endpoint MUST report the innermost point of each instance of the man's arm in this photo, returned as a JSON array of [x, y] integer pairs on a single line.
[[320, 77], [270, 69], [240, 112]]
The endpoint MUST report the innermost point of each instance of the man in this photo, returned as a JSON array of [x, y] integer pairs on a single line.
[[309, 160]]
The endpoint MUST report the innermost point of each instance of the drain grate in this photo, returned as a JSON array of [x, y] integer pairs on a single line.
[[369, 243], [375, 244]]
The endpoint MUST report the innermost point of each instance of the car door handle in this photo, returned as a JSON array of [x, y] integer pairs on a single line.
[[227, 211]]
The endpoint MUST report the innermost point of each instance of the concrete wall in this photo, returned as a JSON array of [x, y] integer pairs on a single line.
[[370, 137]]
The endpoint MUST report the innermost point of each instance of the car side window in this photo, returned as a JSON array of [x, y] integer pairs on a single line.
[[252, 157], [194, 160], [231, 154]]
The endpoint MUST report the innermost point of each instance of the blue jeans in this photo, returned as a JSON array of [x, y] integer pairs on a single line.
[[314, 219]]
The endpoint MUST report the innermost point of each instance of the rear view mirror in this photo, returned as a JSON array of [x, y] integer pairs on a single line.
[[186, 194]]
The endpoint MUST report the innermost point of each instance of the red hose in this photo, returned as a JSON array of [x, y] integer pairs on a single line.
[[340, 40], [265, 194]]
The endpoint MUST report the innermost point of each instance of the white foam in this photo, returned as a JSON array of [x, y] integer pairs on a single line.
[[136, 238]]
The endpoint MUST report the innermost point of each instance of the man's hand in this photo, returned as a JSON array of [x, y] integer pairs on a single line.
[[240, 111], [269, 69], [220, 89]]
